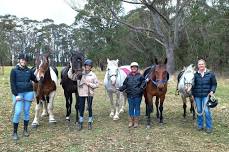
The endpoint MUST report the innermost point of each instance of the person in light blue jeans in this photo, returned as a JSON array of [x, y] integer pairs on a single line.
[[204, 86], [21, 78]]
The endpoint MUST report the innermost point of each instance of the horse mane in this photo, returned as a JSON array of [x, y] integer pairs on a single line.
[[190, 68]]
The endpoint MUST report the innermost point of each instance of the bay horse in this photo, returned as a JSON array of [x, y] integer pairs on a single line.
[[113, 79], [69, 86], [45, 89], [157, 77], [185, 84]]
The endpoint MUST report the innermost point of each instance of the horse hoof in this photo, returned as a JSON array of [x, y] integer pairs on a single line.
[[122, 111], [52, 121], [148, 126], [116, 118], [34, 125], [111, 115], [67, 118], [44, 114]]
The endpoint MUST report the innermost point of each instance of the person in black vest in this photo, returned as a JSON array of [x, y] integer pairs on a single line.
[[205, 86], [22, 90]]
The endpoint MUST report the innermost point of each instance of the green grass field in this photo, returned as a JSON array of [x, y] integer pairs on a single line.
[[177, 134]]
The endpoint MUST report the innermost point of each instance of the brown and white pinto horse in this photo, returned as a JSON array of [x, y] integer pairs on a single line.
[[157, 76], [45, 89]]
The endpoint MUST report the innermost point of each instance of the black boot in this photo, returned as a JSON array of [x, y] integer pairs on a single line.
[[15, 135], [80, 126], [89, 125], [25, 132]]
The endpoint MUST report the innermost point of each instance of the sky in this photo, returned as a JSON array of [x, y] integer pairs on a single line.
[[58, 10]]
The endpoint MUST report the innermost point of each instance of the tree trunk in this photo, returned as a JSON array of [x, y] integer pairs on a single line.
[[170, 57]]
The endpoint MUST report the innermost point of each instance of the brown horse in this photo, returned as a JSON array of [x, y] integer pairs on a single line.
[[157, 76], [45, 89]]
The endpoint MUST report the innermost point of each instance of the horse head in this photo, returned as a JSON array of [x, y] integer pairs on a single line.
[[112, 70], [159, 76], [42, 65], [76, 62], [189, 78]]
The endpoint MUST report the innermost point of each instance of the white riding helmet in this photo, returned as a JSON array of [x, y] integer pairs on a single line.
[[134, 64]]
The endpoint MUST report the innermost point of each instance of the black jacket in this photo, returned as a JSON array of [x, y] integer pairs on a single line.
[[204, 85], [134, 85], [20, 80]]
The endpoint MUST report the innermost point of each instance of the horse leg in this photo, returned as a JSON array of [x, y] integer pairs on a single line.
[[149, 109], [77, 106], [35, 122], [112, 104], [68, 105], [161, 108], [184, 105], [192, 108], [157, 103], [122, 103], [116, 116], [50, 107], [45, 110]]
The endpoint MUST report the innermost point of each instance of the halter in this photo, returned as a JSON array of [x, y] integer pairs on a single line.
[[156, 82]]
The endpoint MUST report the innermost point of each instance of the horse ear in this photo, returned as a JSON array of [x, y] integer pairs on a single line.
[[156, 61], [117, 61], [165, 61], [108, 60], [184, 68]]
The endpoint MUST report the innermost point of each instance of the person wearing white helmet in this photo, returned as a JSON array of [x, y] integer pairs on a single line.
[[133, 86]]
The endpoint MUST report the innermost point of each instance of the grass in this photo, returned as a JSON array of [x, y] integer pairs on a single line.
[[177, 134]]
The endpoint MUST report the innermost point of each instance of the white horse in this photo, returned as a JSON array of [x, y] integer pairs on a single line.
[[113, 79], [185, 84]]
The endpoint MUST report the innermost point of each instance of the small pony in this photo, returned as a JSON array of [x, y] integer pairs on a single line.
[[185, 84], [157, 77], [113, 79], [45, 89]]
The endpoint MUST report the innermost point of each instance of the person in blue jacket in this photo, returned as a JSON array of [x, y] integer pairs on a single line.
[[22, 90], [204, 86]]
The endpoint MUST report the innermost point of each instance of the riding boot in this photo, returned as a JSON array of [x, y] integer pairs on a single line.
[[80, 126], [136, 120], [89, 125], [15, 135], [25, 132], [131, 122]]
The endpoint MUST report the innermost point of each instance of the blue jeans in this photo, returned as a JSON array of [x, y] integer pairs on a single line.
[[82, 107], [23, 104], [134, 106], [200, 102]]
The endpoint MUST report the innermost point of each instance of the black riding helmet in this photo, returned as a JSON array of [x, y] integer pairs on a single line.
[[212, 102], [23, 56], [88, 62]]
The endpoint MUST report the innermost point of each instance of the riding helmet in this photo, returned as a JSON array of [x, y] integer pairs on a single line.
[[88, 62], [212, 102], [134, 64], [23, 56]]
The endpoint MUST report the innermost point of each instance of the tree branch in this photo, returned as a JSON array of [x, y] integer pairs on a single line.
[[153, 9], [138, 3]]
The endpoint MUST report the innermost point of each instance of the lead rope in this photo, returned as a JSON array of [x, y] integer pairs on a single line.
[[204, 107]]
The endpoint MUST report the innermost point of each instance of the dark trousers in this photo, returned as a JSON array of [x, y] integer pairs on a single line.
[[82, 107]]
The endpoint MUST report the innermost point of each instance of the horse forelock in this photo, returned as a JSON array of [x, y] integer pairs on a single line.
[[112, 63]]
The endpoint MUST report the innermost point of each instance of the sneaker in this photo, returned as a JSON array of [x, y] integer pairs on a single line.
[[80, 126], [200, 129], [25, 133]]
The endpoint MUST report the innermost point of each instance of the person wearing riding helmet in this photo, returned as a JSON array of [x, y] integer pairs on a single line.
[[133, 85], [22, 90], [86, 87]]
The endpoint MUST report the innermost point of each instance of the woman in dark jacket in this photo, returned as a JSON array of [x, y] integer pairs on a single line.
[[22, 90], [134, 86], [205, 86]]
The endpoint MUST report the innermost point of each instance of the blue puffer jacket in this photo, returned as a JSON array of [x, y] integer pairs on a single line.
[[204, 85], [20, 80]]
